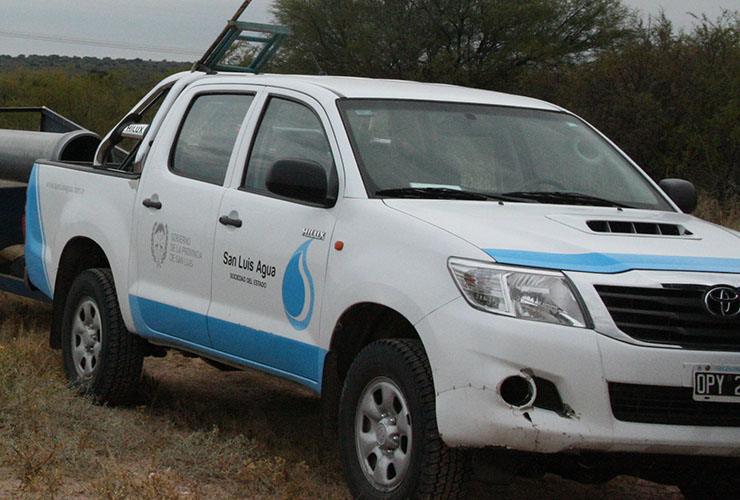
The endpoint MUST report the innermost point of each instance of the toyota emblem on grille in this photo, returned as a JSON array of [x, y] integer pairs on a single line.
[[722, 301]]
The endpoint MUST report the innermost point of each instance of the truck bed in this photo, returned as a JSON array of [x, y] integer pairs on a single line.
[[12, 262], [55, 138]]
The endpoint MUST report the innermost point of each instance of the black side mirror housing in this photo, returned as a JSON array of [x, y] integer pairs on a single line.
[[301, 180], [683, 193]]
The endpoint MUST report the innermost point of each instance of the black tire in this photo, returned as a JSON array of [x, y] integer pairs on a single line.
[[389, 383], [102, 359], [18, 267], [721, 481]]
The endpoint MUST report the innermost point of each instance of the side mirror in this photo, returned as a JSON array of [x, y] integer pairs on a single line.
[[301, 180], [682, 192]]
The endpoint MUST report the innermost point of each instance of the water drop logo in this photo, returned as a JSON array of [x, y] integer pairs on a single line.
[[298, 292]]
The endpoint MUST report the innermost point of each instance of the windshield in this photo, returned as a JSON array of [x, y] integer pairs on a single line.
[[427, 149]]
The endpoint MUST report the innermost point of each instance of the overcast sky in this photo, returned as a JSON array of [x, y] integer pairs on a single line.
[[182, 29]]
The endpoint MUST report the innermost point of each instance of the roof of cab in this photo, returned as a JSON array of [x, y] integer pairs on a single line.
[[372, 88]]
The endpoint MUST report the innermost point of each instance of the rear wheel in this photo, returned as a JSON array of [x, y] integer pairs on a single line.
[[101, 357], [388, 435]]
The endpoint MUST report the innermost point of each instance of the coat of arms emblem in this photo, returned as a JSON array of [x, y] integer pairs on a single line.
[[159, 243]]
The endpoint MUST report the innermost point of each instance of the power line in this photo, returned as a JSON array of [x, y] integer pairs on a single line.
[[98, 43]]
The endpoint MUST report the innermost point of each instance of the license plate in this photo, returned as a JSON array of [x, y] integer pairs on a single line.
[[717, 383]]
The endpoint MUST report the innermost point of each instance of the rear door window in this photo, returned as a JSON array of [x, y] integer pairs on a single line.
[[204, 144]]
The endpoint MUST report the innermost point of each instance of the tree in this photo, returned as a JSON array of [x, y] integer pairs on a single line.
[[482, 43], [670, 99]]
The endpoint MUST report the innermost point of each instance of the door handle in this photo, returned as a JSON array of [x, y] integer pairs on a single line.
[[228, 221], [149, 203]]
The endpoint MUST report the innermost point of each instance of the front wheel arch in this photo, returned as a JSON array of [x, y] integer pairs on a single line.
[[357, 327], [362, 324]]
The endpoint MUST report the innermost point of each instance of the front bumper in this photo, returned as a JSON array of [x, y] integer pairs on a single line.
[[472, 352]]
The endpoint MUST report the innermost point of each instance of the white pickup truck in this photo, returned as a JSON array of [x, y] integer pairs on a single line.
[[451, 269]]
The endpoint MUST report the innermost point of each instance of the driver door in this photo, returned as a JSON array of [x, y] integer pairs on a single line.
[[270, 272]]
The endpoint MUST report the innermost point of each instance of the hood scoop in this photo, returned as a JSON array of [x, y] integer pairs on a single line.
[[655, 225], [637, 227]]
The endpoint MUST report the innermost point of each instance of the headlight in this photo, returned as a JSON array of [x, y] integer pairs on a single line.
[[533, 294]]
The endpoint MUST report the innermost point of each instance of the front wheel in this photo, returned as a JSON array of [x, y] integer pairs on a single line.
[[717, 479], [101, 357], [388, 436]]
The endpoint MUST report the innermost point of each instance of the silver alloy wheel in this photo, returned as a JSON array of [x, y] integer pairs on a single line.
[[86, 338], [383, 434]]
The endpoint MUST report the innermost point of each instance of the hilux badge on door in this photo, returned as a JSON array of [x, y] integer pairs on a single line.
[[722, 301]]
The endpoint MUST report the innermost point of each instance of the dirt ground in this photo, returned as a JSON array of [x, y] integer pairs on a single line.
[[287, 405]]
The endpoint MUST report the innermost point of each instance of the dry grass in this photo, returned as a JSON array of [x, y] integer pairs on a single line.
[[726, 213], [194, 433], [177, 443]]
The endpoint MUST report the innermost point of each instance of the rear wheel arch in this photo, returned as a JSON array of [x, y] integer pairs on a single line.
[[79, 254], [101, 358]]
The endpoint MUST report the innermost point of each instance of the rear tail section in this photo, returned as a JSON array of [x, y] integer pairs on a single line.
[[35, 247]]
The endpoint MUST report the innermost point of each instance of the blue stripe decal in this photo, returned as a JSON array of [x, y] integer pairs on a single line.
[[189, 326], [287, 358], [267, 349], [608, 263], [34, 247]]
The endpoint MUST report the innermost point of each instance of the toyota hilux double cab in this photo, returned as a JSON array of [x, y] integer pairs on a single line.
[[457, 273]]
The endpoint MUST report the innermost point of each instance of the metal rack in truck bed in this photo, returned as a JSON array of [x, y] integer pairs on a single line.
[[55, 138]]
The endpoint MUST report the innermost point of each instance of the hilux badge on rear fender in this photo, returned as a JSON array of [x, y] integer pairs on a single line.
[[314, 233], [722, 301]]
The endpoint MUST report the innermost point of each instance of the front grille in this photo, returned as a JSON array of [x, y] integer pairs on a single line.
[[673, 314], [653, 404]]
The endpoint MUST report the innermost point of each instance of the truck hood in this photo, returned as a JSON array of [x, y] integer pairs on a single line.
[[576, 238]]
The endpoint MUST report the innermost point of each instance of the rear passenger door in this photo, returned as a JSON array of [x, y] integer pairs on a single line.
[[177, 212], [270, 267]]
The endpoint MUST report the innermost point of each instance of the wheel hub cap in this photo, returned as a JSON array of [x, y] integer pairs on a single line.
[[387, 434], [86, 338], [383, 434]]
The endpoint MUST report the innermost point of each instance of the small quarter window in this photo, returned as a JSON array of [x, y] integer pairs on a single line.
[[207, 135]]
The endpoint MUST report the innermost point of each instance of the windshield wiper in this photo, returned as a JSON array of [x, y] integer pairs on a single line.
[[439, 193], [556, 197], [442, 193], [565, 198]]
